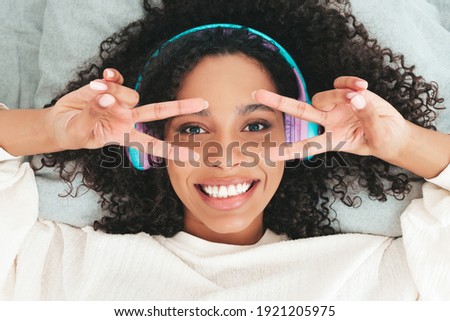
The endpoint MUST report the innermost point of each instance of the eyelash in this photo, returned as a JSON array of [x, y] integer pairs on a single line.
[[182, 129], [264, 123]]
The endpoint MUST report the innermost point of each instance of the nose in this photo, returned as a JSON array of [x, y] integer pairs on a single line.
[[224, 152]]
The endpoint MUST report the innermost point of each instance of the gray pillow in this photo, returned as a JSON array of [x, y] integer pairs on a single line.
[[443, 7], [72, 32], [20, 36], [416, 29]]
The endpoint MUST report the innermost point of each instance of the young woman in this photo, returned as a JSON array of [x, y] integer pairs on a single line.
[[218, 218]]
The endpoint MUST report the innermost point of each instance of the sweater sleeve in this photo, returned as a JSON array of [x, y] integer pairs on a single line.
[[426, 236], [18, 207]]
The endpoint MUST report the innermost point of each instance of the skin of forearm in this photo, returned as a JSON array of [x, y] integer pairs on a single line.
[[25, 132], [425, 153]]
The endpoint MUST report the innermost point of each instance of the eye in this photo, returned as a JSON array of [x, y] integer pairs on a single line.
[[191, 129], [256, 126]]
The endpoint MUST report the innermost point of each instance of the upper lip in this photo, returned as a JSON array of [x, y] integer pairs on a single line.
[[227, 181]]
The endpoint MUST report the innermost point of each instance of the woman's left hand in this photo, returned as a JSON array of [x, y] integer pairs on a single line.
[[360, 122]]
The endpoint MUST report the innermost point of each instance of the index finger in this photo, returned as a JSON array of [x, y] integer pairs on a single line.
[[290, 106], [350, 82], [157, 111]]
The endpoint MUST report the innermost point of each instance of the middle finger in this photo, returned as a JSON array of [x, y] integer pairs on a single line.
[[327, 100], [127, 97]]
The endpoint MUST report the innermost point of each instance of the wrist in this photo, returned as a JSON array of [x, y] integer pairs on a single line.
[[26, 132], [49, 137], [393, 145], [406, 146], [45, 141], [422, 151]]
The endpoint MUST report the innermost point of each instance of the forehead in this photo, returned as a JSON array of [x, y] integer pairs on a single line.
[[230, 77], [227, 83]]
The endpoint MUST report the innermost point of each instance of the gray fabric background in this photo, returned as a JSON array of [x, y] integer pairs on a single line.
[[43, 42]]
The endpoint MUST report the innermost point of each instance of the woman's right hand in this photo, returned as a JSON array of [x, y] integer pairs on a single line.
[[103, 113]]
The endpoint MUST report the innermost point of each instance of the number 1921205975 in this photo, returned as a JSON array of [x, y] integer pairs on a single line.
[[296, 311]]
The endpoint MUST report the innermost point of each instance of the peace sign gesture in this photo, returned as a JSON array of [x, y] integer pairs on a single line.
[[361, 121], [103, 113]]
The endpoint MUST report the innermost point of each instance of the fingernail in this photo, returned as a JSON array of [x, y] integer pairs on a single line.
[[106, 100], [109, 73], [362, 84], [359, 102], [97, 85], [352, 95], [254, 95], [206, 104]]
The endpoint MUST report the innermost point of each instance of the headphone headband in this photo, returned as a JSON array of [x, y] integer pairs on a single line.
[[296, 129]]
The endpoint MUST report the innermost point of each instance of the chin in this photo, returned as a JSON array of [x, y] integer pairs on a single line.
[[230, 226]]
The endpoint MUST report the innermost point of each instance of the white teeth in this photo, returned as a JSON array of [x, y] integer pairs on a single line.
[[208, 189], [232, 190], [223, 191]]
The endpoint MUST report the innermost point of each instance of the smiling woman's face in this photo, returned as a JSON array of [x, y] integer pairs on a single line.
[[225, 194]]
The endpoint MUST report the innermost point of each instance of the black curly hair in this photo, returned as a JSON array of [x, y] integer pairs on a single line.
[[326, 41]]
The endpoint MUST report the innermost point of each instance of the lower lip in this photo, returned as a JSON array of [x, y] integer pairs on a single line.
[[229, 203]]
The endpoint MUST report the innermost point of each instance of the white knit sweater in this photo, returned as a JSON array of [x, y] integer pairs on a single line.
[[53, 261]]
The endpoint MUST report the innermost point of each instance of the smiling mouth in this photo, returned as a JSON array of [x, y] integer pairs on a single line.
[[226, 191]]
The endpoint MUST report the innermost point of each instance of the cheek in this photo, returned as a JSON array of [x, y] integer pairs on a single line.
[[274, 175], [177, 176], [180, 176]]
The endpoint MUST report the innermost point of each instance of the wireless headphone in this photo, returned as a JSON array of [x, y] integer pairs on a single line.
[[296, 129]]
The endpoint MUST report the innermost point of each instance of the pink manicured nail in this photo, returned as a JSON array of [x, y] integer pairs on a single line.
[[254, 95], [352, 95], [109, 73], [359, 102], [362, 84], [206, 104], [97, 85], [106, 100]]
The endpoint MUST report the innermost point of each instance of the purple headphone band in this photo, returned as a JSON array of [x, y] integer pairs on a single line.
[[296, 129]]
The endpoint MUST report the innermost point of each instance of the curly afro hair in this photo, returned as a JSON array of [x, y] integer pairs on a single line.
[[326, 41]]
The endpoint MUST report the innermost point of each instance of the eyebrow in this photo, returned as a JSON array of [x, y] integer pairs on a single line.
[[241, 111]]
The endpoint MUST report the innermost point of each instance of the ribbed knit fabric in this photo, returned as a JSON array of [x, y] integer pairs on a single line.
[[43, 260]]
